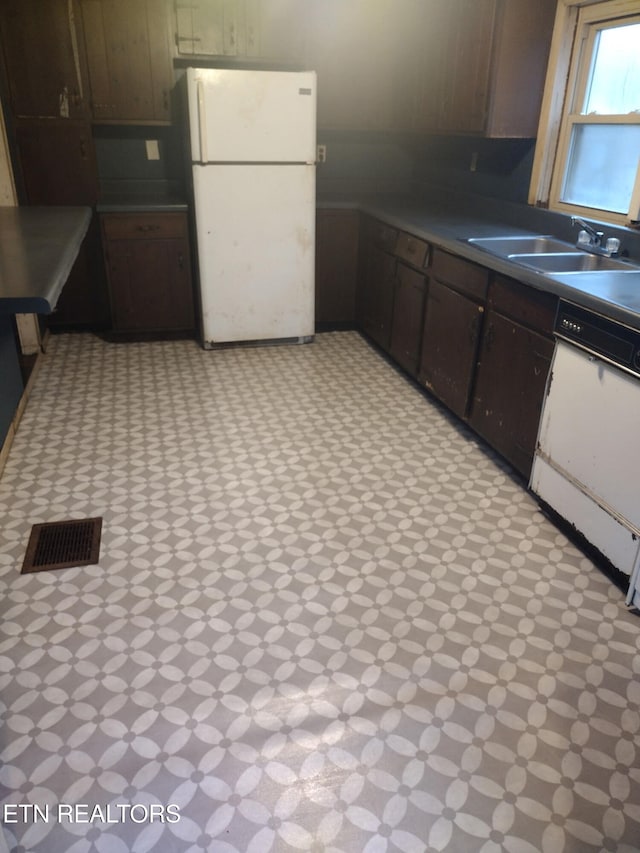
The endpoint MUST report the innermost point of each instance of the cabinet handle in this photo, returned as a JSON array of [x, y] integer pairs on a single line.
[[165, 100], [147, 228], [83, 148], [181, 261]]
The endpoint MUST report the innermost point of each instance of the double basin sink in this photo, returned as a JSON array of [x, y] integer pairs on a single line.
[[550, 256]]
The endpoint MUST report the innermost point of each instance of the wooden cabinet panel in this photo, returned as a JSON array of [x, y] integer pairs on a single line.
[[200, 27], [149, 274], [524, 304], [509, 388], [42, 57], [336, 266], [520, 56], [461, 275], [256, 29], [129, 59], [465, 82], [57, 162], [408, 314], [452, 329], [377, 296], [472, 66], [156, 226], [384, 236], [412, 249]]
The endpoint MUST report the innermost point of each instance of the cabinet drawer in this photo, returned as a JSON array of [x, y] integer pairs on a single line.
[[384, 236], [526, 305], [144, 226], [412, 249], [410, 278], [463, 276]]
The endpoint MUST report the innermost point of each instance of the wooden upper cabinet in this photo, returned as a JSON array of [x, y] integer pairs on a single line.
[[464, 82], [129, 59], [472, 66], [256, 29], [200, 27], [43, 59], [520, 55], [497, 53]]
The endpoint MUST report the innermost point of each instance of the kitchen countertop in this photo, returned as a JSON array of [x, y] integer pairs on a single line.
[[38, 247], [441, 225]]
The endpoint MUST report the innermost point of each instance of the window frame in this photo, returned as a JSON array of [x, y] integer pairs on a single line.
[[568, 75]]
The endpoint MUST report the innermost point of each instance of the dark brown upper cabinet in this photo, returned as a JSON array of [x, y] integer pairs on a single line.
[[43, 56], [251, 29], [129, 59], [472, 66]]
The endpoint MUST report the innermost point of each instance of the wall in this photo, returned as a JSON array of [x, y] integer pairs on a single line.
[[497, 168], [364, 163]]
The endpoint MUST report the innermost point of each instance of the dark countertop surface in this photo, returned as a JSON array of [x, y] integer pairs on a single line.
[[445, 226], [38, 247]]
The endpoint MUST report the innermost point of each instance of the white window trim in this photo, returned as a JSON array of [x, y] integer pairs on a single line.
[[558, 88]]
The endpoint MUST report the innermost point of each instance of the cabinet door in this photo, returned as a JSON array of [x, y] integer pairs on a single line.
[[150, 285], [43, 63], [509, 389], [408, 317], [465, 82], [129, 59], [377, 296], [450, 345], [336, 266], [57, 162], [200, 27]]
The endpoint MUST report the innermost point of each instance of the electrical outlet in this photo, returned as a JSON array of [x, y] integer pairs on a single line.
[[153, 149], [322, 154]]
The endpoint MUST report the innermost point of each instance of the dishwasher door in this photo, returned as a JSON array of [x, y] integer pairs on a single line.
[[587, 464]]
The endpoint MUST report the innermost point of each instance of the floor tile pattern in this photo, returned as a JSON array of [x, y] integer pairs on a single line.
[[324, 618]]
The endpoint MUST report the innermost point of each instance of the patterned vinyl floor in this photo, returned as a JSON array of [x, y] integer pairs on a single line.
[[324, 619]]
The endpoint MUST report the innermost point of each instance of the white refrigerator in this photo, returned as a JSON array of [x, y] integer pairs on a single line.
[[253, 146]]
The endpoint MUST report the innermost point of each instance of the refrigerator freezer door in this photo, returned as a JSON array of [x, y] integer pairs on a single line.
[[243, 116], [256, 251]]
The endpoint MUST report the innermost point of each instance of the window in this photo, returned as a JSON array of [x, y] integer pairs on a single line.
[[592, 151]]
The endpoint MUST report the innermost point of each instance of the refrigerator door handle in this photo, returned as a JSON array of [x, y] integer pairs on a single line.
[[202, 122]]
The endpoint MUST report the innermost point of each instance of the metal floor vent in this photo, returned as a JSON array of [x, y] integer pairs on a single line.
[[62, 544]]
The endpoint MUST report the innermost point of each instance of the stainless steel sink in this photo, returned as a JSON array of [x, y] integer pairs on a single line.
[[570, 262], [507, 246], [549, 256]]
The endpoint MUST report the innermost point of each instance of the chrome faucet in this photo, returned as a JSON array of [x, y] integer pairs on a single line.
[[591, 240]]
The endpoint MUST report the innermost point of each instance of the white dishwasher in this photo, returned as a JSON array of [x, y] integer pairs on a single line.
[[587, 462]]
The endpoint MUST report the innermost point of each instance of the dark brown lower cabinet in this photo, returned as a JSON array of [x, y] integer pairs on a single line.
[[450, 346], [408, 313], [515, 356], [149, 272], [336, 266], [452, 328], [377, 300]]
